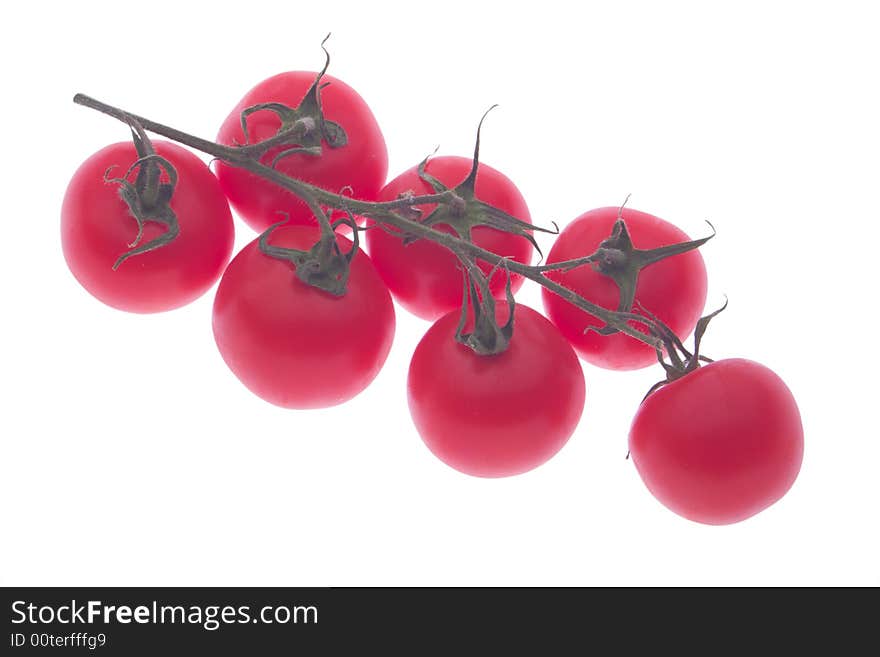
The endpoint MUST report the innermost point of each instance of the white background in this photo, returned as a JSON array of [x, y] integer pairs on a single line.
[[131, 456]]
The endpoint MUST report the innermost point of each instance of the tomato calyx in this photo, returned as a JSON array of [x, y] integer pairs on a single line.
[[681, 361], [324, 266], [148, 198], [303, 128], [487, 338], [465, 211], [617, 258]]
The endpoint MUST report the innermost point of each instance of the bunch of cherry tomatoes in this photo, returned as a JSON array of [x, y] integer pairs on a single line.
[[147, 227]]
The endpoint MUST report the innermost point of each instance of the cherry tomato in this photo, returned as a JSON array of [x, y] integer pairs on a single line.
[[719, 444], [292, 344], [358, 168], [424, 277], [499, 415], [97, 228], [673, 289]]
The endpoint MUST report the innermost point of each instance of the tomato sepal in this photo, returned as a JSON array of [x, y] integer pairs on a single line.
[[488, 338], [618, 259], [682, 361], [323, 266], [465, 211], [303, 128], [148, 198]]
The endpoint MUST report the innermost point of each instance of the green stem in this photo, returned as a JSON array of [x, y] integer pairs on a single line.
[[382, 212]]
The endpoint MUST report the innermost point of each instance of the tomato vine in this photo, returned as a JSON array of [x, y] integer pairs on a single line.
[[461, 205], [503, 405]]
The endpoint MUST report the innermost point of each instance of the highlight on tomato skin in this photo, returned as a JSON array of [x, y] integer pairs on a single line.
[[97, 228], [673, 289], [292, 344], [720, 444], [499, 415], [424, 277]]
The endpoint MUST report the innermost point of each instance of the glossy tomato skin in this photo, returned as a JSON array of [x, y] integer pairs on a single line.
[[294, 345], [361, 164], [720, 444], [501, 415], [424, 277], [674, 289], [97, 228]]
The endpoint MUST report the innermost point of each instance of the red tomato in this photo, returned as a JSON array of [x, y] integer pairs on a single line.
[[500, 415], [720, 444], [673, 289], [97, 228], [425, 278], [292, 344], [361, 164]]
